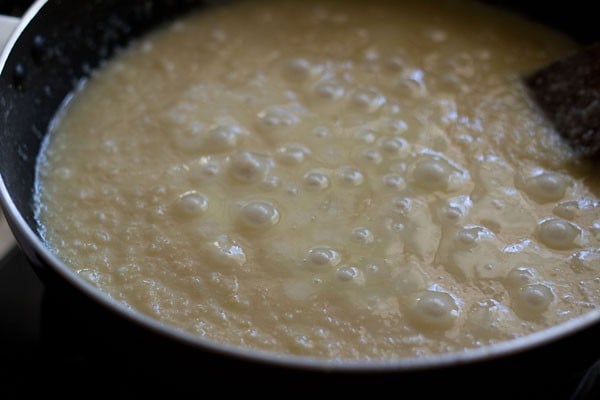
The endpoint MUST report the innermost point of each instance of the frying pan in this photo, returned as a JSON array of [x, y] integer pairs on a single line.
[[58, 42]]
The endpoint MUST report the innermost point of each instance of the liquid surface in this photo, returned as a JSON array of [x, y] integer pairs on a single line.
[[339, 180]]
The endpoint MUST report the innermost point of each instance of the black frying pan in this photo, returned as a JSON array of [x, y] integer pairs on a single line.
[[60, 41]]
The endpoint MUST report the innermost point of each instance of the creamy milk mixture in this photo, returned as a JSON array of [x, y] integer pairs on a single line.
[[348, 180]]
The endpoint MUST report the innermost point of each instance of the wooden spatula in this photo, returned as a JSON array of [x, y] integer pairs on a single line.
[[568, 92]]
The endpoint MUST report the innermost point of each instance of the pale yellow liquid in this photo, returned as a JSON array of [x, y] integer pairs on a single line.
[[345, 180]]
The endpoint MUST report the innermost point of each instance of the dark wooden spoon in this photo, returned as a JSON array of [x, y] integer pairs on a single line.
[[568, 92]]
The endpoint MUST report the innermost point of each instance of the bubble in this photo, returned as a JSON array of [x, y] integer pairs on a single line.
[[292, 189], [533, 299], [204, 168], [396, 126], [299, 69], [259, 215], [454, 209], [451, 214], [369, 100], [395, 146], [102, 236], [226, 252], [436, 310], [467, 237], [402, 205], [316, 180], [350, 176], [224, 137], [412, 83], [248, 167], [323, 256], [431, 174], [192, 203], [394, 181], [330, 90], [558, 233], [292, 154], [520, 276], [347, 273], [278, 117], [546, 187], [372, 156], [362, 235], [367, 136]]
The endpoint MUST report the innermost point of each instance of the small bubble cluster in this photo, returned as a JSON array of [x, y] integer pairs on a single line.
[[277, 117]]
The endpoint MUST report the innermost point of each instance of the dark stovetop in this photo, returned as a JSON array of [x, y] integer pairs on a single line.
[[54, 339]]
